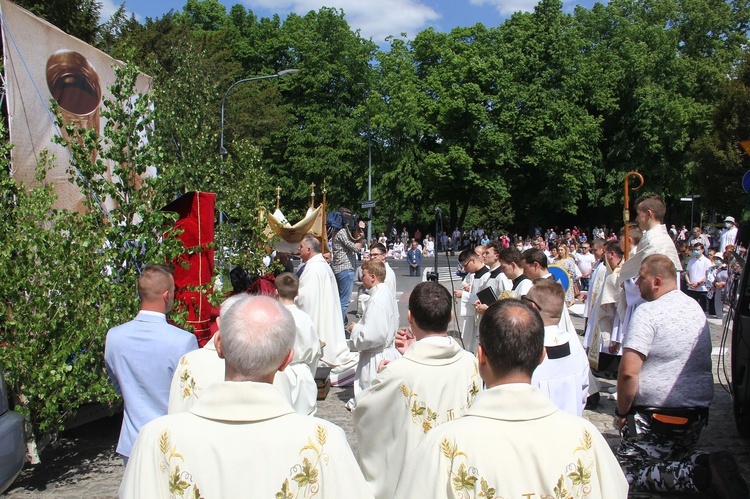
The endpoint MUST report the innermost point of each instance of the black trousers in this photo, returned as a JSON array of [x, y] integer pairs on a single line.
[[700, 296]]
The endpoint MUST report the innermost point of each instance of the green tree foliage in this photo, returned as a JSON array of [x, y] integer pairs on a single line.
[[718, 156], [661, 63], [508, 113], [553, 136], [461, 74], [56, 307], [326, 141], [192, 73], [542, 115], [395, 110], [205, 15], [79, 18]]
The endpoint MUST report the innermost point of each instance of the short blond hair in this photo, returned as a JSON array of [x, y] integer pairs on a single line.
[[376, 268], [154, 281], [550, 297], [287, 284], [660, 266]]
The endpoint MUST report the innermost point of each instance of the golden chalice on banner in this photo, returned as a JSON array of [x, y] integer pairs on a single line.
[[74, 84]]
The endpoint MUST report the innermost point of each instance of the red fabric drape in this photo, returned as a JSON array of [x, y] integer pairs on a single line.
[[196, 221]]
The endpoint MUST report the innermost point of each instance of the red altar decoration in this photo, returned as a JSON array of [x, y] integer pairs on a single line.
[[196, 222]]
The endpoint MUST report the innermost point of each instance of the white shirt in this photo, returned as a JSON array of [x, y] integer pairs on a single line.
[[697, 269], [728, 236], [585, 262]]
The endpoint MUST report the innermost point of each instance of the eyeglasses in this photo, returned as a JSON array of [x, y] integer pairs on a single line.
[[526, 298]]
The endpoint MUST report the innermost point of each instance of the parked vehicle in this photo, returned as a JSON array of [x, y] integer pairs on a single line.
[[12, 440]]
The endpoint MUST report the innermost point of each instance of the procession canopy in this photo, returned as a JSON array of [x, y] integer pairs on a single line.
[[291, 235]]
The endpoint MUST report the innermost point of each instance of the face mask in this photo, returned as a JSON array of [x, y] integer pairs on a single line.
[[697, 252], [519, 248], [727, 225]]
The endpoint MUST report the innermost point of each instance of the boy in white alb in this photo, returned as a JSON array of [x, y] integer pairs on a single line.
[[300, 374], [374, 334], [563, 375]]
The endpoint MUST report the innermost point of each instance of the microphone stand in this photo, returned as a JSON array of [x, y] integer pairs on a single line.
[[434, 275]]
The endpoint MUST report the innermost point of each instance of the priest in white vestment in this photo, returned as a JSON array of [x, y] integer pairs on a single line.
[[319, 297], [563, 375], [607, 334], [199, 369], [434, 382], [242, 439], [595, 287], [373, 336], [513, 442]]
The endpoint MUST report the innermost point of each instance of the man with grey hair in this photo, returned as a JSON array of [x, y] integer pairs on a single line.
[[220, 448], [319, 297], [199, 369]]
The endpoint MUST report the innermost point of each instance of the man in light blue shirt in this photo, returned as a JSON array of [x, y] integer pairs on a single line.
[[142, 355]]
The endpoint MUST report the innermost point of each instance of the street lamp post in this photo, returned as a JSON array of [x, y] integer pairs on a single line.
[[691, 200], [222, 150], [280, 74], [369, 169]]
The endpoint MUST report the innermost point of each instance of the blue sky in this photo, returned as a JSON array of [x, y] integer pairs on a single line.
[[376, 19]]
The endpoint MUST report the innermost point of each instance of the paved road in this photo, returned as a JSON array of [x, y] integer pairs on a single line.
[[84, 463]]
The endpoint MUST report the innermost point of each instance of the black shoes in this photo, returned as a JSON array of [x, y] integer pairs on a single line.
[[592, 401]]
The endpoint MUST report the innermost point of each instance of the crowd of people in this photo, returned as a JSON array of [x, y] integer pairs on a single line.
[[494, 412], [571, 250]]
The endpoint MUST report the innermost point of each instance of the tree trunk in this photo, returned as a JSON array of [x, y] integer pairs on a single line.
[[464, 210], [453, 215]]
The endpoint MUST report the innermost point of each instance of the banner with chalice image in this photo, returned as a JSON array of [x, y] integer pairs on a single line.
[[42, 63]]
